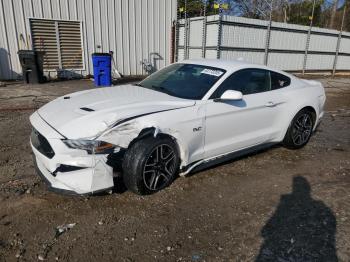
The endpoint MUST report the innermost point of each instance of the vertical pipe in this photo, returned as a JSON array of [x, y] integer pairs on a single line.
[[58, 45], [218, 47], [188, 38], [177, 31], [173, 42], [268, 35], [204, 35], [308, 37], [185, 32], [338, 42]]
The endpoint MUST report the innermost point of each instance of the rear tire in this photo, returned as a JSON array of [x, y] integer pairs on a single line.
[[300, 130], [150, 165]]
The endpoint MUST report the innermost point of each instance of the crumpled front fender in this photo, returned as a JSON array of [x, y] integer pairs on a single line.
[[122, 135]]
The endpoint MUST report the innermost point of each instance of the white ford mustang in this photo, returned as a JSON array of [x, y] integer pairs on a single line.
[[182, 118]]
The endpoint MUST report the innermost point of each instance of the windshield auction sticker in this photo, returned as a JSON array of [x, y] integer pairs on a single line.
[[212, 72]]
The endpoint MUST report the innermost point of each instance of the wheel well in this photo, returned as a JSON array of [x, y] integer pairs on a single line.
[[312, 111], [150, 131], [308, 108], [175, 141]]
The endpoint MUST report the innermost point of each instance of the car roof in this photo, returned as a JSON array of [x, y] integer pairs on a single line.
[[232, 65], [228, 65]]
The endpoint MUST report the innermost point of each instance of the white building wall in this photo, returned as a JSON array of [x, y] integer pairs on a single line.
[[133, 29]]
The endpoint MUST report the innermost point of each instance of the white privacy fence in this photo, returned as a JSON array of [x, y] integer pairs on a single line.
[[285, 46]]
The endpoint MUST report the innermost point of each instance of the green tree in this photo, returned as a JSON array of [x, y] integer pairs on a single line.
[[346, 26], [289, 11], [196, 7], [300, 13]]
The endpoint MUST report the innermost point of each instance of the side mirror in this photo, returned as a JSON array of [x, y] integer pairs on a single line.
[[230, 95]]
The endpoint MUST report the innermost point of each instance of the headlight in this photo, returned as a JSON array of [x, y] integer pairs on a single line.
[[91, 146]]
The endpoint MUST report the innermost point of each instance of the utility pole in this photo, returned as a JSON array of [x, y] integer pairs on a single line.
[[185, 33], [308, 36], [268, 34], [218, 47], [204, 32], [338, 42]]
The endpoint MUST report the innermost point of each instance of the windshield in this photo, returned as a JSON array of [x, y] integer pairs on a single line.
[[184, 80]]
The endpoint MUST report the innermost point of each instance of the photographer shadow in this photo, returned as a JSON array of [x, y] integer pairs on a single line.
[[301, 229]]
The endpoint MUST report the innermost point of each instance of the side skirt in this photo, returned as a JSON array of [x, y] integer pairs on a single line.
[[206, 163]]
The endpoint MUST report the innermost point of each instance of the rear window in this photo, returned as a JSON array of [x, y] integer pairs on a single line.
[[278, 80]]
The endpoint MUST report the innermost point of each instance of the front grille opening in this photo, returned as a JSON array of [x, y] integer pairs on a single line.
[[41, 144]]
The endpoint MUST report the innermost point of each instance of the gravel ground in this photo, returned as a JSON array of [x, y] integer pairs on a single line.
[[276, 205]]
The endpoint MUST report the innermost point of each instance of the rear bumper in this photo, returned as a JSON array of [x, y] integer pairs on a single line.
[[70, 171]]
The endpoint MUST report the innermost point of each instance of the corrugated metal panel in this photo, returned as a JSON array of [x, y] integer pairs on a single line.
[[212, 35], [246, 37], [196, 32], [56, 10], [287, 40], [244, 20], [195, 53], [345, 45], [210, 54], [37, 8], [5, 60], [252, 57], [343, 63], [135, 30], [181, 36], [181, 54], [290, 26], [285, 61], [319, 62], [323, 43], [73, 10], [11, 33], [325, 30], [138, 40]]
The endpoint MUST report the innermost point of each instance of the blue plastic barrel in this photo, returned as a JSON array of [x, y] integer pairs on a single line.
[[102, 69]]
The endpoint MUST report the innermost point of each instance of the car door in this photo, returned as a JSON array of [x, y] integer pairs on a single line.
[[235, 125]]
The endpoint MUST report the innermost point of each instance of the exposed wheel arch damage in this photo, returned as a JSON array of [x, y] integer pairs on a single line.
[[130, 132]]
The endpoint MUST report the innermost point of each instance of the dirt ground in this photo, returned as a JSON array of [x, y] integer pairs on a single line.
[[295, 204]]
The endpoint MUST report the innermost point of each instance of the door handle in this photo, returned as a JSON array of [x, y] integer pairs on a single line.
[[270, 104]]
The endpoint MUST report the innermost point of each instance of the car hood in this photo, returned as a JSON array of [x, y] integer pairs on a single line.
[[86, 114]]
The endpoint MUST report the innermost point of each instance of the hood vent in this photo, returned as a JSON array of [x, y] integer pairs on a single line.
[[87, 109]]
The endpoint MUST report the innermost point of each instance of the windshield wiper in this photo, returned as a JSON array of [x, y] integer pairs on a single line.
[[138, 84]]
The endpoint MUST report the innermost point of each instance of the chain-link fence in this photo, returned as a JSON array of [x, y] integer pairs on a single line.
[[226, 34]]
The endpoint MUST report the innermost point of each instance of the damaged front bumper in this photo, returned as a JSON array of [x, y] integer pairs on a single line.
[[67, 170]]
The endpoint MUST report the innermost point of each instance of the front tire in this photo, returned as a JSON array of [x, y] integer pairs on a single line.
[[150, 165], [300, 130]]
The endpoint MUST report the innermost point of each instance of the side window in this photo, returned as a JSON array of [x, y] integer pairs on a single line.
[[278, 80], [248, 81]]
